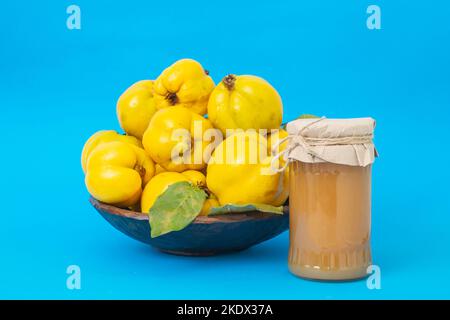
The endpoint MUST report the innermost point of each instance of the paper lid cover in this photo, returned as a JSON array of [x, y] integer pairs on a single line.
[[340, 141]]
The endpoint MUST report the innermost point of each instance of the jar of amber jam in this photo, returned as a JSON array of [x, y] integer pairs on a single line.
[[330, 163]]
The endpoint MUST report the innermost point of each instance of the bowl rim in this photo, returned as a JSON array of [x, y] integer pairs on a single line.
[[223, 218]]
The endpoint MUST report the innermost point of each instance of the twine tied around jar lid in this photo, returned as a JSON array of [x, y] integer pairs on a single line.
[[360, 146]]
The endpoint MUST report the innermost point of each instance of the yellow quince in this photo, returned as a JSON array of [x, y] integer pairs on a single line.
[[174, 139], [273, 146], [272, 140], [157, 186], [185, 83], [116, 173], [208, 205], [245, 102], [101, 137], [136, 107], [239, 172], [196, 177], [159, 169]]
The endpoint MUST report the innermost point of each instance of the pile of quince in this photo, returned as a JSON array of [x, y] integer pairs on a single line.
[[132, 170]]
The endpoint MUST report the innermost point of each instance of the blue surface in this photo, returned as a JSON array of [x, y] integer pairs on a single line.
[[58, 86]]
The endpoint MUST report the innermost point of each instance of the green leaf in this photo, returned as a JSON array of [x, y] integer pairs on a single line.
[[239, 208], [308, 116], [303, 116], [176, 208]]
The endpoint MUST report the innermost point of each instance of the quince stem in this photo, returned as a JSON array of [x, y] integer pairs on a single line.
[[172, 97], [140, 169], [229, 81]]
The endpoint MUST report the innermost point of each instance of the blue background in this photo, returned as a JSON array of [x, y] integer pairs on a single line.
[[59, 86]]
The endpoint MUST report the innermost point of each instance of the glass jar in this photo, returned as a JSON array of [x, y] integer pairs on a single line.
[[330, 170], [330, 206]]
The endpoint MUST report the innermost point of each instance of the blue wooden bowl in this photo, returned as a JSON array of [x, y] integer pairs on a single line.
[[206, 235]]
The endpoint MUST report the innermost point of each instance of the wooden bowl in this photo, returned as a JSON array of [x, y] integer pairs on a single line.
[[206, 235]]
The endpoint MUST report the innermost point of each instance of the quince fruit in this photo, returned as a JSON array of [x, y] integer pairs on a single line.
[[157, 186], [116, 173], [196, 177], [208, 205], [185, 83], [174, 139], [101, 137], [272, 140], [159, 169], [239, 172], [245, 102], [136, 107], [162, 181]]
